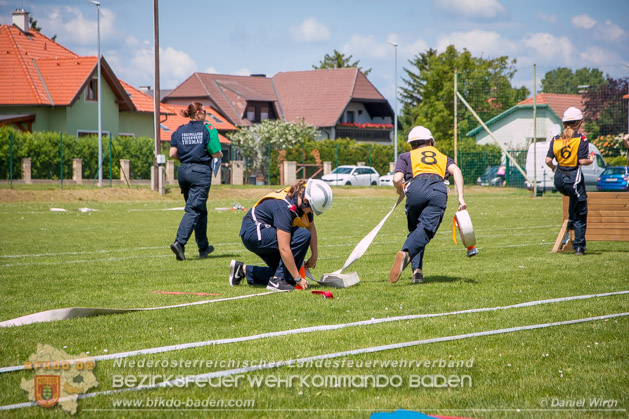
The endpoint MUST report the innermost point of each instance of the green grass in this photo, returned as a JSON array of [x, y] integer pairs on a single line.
[[115, 257]]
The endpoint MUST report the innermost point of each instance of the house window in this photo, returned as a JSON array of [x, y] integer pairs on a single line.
[[251, 113], [87, 133], [349, 116], [257, 111], [91, 92]]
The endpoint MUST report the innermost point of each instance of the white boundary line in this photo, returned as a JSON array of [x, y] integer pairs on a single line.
[[224, 373], [182, 346]]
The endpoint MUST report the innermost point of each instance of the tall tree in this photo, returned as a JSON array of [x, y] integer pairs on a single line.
[[339, 60], [605, 110], [429, 96], [563, 80]]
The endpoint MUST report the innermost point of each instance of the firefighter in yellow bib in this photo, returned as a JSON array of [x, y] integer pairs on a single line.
[[420, 174], [280, 228], [571, 150]]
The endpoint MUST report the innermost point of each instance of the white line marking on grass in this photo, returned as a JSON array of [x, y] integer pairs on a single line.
[[180, 382], [321, 328], [27, 255]]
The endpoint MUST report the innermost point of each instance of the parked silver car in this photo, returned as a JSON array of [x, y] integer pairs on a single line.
[[352, 175]]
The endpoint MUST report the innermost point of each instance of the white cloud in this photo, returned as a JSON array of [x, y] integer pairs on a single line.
[[550, 48], [583, 21], [211, 70], [486, 9], [310, 30], [598, 56], [478, 42], [547, 18], [609, 31], [361, 47], [243, 72], [138, 68], [175, 65], [71, 26], [407, 51]]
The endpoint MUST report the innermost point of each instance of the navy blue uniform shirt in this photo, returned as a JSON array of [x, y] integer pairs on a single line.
[[277, 213], [191, 141]]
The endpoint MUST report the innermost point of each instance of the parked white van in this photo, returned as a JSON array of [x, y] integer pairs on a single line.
[[545, 176]]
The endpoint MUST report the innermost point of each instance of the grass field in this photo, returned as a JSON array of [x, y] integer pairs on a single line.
[[117, 256]]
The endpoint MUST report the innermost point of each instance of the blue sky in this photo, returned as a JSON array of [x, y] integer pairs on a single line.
[[245, 37]]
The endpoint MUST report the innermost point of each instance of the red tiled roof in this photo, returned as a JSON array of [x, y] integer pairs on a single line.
[[321, 96], [229, 94], [557, 102], [35, 70], [626, 96], [172, 119], [20, 55], [142, 101], [318, 96]]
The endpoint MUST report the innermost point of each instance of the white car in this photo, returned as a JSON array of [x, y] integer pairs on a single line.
[[352, 175], [387, 180]]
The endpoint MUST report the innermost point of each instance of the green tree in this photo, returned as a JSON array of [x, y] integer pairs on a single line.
[[605, 111], [563, 80], [253, 143], [429, 97], [339, 60]]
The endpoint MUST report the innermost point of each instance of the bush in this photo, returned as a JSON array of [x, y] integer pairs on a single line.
[[46, 150]]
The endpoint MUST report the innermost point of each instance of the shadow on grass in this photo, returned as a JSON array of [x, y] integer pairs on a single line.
[[213, 256], [442, 278]]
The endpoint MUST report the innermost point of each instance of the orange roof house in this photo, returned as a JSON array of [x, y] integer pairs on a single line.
[[45, 86], [339, 102], [514, 127]]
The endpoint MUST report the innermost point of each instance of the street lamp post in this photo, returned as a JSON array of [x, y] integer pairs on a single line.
[[100, 132], [395, 118]]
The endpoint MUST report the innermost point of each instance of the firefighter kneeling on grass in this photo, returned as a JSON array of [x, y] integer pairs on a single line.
[[279, 228], [420, 174]]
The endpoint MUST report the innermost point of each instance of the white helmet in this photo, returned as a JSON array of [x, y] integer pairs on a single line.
[[319, 196], [572, 114], [420, 133]]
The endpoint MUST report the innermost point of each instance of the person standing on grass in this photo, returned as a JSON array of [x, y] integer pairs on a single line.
[[571, 150], [194, 144], [420, 174], [279, 228]]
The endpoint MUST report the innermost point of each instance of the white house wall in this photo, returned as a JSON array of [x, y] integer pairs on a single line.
[[515, 131]]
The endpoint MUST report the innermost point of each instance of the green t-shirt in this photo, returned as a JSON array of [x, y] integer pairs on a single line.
[[214, 145]]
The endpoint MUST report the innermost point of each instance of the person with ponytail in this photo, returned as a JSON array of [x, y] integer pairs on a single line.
[[571, 151], [194, 145], [280, 228]]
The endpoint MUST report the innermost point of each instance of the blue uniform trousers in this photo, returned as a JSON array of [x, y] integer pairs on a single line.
[[426, 200], [268, 250], [572, 184], [194, 181]]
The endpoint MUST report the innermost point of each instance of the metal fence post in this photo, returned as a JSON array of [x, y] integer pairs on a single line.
[[61, 159], [269, 174], [11, 159], [337, 162], [110, 163]]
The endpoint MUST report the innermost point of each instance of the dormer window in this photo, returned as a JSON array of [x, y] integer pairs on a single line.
[[259, 111], [91, 92]]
